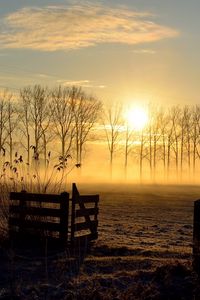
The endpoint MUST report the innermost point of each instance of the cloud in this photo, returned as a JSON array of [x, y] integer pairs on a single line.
[[82, 83], [54, 28], [41, 75], [144, 51]]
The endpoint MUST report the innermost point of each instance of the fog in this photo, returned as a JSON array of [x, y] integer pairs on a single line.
[[96, 171], [52, 137]]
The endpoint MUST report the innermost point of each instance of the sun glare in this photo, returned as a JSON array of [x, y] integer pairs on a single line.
[[137, 118]]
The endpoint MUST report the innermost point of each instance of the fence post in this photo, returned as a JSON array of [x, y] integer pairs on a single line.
[[196, 237], [64, 209], [95, 217], [22, 215], [75, 195]]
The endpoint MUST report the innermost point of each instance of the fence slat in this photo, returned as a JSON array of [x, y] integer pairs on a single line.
[[51, 198], [35, 211], [88, 199], [86, 237], [36, 224], [86, 212], [84, 225]]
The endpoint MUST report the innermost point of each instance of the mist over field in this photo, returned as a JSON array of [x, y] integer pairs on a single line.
[[52, 135]]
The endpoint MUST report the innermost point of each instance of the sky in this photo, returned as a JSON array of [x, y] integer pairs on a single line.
[[129, 51]]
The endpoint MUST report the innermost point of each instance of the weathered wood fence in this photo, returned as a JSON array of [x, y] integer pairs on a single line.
[[54, 216]]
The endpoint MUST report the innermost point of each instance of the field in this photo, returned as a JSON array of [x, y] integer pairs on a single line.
[[144, 251]]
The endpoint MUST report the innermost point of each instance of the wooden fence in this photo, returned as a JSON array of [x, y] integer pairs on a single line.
[[54, 216]]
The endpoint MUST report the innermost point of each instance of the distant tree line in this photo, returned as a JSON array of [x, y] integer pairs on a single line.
[[169, 143], [42, 121]]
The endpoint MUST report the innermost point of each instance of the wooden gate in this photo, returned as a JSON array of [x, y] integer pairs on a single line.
[[84, 222], [54, 216]]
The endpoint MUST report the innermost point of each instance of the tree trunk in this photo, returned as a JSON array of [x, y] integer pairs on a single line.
[[150, 152], [141, 158], [11, 149], [168, 156], [126, 154]]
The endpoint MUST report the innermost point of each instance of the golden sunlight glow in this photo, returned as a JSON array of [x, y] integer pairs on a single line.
[[137, 118]]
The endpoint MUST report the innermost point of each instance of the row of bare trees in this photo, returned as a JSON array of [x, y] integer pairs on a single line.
[[41, 118], [41, 121], [170, 142]]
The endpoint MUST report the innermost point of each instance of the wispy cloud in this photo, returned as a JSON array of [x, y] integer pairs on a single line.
[[82, 83], [54, 28], [41, 75], [144, 51]]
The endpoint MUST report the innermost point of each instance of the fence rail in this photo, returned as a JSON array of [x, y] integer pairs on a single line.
[[50, 198]]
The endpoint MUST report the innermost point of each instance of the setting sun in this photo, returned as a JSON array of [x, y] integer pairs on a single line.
[[137, 118]]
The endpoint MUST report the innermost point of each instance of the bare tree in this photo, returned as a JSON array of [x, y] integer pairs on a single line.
[[188, 125], [38, 113], [47, 133], [112, 126], [156, 140], [150, 134], [175, 117], [62, 107], [129, 140], [85, 112], [154, 133], [185, 129], [164, 138], [3, 121], [141, 154], [195, 136], [25, 118], [13, 120], [143, 150], [35, 117], [169, 141]]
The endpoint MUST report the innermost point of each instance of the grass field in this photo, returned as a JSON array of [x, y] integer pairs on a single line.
[[144, 251]]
